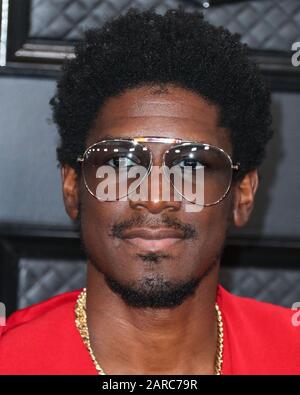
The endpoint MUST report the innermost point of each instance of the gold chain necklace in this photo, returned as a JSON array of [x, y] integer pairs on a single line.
[[81, 323]]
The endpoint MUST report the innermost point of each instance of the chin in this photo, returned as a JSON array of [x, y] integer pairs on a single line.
[[154, 291]]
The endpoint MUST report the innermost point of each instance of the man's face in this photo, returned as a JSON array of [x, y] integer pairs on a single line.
[[159, 274]]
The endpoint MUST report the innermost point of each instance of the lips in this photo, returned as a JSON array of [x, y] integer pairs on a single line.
[[152, 239]]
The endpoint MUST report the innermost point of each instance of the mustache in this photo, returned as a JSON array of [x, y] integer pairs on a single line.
[[188, 230]]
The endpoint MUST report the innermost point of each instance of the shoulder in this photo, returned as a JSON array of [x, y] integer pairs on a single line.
[[39, 314], [256, 312], [261, 336], [41, 337]]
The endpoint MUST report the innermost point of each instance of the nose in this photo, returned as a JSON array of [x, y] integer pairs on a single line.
[[155, 203], [154, 207]]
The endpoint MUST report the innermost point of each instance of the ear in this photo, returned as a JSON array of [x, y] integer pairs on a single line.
[[70, 187], [244, 193]]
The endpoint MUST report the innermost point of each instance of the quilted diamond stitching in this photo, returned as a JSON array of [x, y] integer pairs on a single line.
[[268, 24], [39, 280]]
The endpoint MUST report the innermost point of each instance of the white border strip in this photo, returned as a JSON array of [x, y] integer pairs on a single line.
[[3, 33]]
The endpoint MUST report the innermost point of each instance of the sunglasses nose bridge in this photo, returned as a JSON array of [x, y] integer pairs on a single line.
[[156, 177], [157, 153]]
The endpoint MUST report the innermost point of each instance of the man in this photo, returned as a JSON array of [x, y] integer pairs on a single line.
[[156, 91]]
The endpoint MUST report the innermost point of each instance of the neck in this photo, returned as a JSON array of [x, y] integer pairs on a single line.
[[127, 340]]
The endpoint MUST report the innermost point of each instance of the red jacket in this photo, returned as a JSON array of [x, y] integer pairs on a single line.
[[259, 338]]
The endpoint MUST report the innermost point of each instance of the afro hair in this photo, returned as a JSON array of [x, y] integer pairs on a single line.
[[146, 48]]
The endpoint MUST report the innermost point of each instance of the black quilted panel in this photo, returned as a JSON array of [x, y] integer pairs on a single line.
[[39, 280], [277, 286], [263, 24]]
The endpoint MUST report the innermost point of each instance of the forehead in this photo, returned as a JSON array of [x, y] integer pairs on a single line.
[[171, 112]]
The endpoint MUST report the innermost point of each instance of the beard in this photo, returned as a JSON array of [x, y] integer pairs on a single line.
[[154, 291]]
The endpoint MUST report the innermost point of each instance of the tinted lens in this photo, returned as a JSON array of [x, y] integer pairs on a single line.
[[205, 170], [111, 167]]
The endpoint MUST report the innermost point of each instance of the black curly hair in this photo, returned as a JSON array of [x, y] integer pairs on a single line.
[[146, 48]]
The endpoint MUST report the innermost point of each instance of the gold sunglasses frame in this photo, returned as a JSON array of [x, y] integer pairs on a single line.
[[176, 142]]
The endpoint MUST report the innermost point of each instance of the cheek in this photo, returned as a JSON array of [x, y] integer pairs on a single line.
[[97, 219], [211, 224]]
